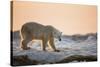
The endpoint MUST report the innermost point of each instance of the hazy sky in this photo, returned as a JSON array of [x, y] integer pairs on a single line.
[[68, 18]]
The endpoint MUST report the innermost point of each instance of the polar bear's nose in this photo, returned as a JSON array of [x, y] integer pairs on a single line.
[[59, 39]]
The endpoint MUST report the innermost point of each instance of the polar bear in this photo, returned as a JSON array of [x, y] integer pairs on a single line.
[[32, 30]]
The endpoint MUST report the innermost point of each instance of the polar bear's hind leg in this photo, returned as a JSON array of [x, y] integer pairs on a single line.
[[24, 44]]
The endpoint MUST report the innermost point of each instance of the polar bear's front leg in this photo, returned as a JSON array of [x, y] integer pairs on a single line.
[[52, 45], [44, 43]]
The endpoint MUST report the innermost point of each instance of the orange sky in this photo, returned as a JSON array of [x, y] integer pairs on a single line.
[[68, 18]]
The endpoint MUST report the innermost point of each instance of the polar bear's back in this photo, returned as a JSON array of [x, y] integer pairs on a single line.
[[32, 26], [35, 29]]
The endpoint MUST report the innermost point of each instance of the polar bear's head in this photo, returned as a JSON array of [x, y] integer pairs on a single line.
[[57, 34]]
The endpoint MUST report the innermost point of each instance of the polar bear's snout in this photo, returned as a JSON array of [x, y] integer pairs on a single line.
[[59, 39], [60, 36]]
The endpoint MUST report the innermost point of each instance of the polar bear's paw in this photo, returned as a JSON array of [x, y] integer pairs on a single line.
[[26, 48], [57, 50]]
